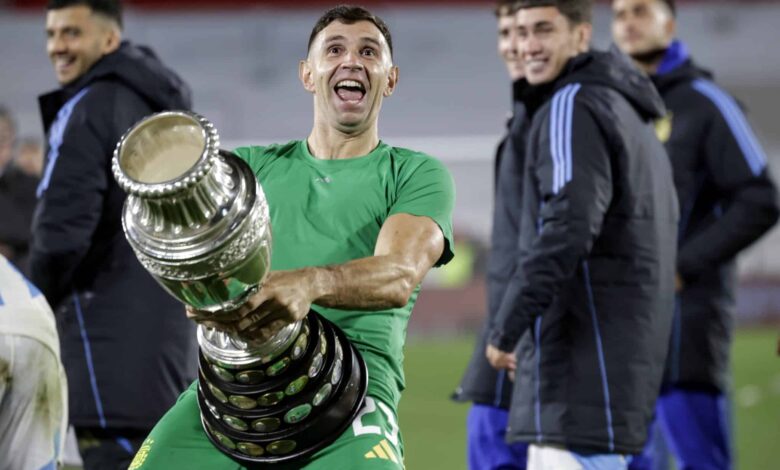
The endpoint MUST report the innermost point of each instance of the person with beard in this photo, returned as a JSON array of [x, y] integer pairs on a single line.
[[727, 202], [589, 306], [490, 390], [127, 348]]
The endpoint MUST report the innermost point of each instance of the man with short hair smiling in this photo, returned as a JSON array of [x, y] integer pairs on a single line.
[[491, 390], [127, 351], [727, 202], [590, 303], [357, 224]]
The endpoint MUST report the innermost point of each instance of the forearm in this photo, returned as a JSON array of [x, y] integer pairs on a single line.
[[372, 283]]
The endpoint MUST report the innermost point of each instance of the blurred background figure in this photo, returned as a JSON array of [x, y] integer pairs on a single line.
[[727, 201], [33, 388], [20, 170], [127, 346], [490, 390]]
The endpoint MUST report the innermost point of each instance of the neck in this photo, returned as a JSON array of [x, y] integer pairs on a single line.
[[650, 61], [328, 143]]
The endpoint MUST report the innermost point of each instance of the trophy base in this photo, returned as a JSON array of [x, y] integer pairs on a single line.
[[289, 409]]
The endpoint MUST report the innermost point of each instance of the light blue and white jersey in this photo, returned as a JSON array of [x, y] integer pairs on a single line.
[[23, 309]]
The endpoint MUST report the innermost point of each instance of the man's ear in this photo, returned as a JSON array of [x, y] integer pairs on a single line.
[[671, 28], [112, 39], [392, 81], [305, 75], [584, 35]]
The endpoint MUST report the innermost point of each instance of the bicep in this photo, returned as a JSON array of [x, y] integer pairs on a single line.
[[417, 240]]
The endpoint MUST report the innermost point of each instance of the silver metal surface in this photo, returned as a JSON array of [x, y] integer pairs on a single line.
[[198, 221]]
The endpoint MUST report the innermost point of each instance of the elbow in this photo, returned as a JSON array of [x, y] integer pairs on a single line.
[[403, 289], [401, 294]]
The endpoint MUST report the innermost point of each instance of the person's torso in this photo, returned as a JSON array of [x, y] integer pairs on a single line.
[[591, 362], [330, 212], [701, 336]]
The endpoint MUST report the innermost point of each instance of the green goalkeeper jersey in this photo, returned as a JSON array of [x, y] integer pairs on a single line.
[[330, 211]]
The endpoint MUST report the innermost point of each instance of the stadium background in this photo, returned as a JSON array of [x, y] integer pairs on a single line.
[[241, 56]]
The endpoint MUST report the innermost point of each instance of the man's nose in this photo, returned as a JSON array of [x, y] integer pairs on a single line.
[[352, 61], [55, 44], [532, 45]]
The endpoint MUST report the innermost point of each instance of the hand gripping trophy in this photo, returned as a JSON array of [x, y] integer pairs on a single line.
[[198, 221]]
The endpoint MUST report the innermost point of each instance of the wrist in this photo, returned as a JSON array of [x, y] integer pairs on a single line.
[[319, 282]]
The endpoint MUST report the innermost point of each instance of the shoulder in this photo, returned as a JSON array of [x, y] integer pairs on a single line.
[[412, 163], [257, 156], [708, 95], [251, 152], [560, 108], [108, 107]]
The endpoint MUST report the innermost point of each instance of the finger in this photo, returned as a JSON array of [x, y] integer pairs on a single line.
[[254, 302], [278, 314]]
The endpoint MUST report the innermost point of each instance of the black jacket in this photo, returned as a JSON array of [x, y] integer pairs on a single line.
[[591, 301], [482, 383], [727, 201], [127, 348], [17, 203]]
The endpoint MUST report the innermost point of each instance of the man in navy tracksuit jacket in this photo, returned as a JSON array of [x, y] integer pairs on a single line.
[[727, 202], [127, 346], [589, 306], [488, 389]]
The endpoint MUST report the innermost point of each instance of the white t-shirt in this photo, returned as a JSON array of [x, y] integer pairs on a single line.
[[24, 310]]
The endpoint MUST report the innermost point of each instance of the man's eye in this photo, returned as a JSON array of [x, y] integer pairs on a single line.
[[334, 50], [369, 52]]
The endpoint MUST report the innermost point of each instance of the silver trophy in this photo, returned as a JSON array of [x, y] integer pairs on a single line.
[[199, 222]]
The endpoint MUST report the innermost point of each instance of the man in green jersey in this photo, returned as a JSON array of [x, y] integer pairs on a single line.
[[357, 224]]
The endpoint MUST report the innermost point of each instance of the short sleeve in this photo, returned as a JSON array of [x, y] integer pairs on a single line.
[[427, 189], [250, 155]]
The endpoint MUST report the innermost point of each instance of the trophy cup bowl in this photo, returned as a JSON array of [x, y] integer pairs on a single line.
[[199, 223]]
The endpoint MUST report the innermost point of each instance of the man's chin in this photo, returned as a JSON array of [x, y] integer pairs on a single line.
[[647, 55], [539, 79], [65, 79]]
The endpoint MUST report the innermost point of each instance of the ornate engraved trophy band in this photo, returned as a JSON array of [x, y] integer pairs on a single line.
[[199, 222]]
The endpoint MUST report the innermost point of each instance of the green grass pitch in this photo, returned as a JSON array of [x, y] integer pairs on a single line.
[[434, 427]]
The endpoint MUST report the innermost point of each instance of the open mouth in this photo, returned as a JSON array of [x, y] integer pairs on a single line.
[[350, 91], [63, 62], [535, 65]]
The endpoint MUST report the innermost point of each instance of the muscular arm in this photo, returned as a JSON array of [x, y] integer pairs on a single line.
[[406, 248]]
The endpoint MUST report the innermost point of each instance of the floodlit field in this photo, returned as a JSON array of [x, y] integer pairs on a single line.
[[434, 427]]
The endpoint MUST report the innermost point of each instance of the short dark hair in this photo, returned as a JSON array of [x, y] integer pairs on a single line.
[[505, 8], [576, 11], [349, 14], [111, 9]]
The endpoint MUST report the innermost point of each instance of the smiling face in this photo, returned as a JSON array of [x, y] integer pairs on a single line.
[[547, 40], [76, 39], [507, 46], [349, 71]]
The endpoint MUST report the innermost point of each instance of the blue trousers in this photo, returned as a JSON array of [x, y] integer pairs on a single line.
[[696, 427], [486, 448]]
